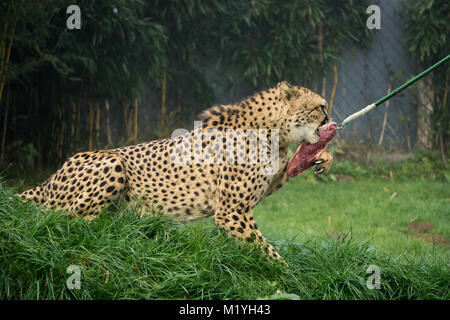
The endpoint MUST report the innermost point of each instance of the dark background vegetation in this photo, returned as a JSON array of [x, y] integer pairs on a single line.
[[136, 70]]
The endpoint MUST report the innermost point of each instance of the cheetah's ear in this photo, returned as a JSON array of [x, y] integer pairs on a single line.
[[287, 91]]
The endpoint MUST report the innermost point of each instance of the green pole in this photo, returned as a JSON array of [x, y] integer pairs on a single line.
[[393, 93]]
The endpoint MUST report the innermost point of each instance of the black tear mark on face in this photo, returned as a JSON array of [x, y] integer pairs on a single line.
[[326, 119]]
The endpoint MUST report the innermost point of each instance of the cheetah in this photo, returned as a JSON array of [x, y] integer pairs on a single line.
[[197, 173]]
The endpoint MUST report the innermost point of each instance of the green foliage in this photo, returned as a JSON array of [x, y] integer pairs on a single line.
[[99, 54], [109, 57], [280, 39], [427, 27], [24, 155]]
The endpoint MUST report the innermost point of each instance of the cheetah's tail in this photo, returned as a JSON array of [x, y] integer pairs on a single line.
[[35, 194]]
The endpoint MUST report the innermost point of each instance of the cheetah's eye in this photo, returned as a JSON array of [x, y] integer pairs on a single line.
[[326, 119]]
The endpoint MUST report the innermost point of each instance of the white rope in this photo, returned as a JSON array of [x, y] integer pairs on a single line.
[[358, 114]]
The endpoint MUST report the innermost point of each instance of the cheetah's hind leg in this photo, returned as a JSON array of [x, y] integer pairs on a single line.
[[84, 185]]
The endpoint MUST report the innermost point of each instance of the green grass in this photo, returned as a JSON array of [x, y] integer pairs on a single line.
[[363, 209], [126, 257]]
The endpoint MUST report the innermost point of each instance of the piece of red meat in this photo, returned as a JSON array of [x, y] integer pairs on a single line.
[[308, 153]]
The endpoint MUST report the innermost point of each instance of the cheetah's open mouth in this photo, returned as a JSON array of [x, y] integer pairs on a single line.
[[321, 126], [307, 153]]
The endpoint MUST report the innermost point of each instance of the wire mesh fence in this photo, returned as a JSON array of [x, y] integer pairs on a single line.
[[363, 76]]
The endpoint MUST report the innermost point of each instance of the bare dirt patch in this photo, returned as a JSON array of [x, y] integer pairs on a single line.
[[337, 235], [421, 230], [433, 238], [344, 177], [420, 227]]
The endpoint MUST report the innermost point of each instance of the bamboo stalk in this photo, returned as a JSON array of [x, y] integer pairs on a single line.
[[3, 51], [3, 42], [444, 105], [392, 131], [333, 91], [5, 124], [108, 124], [8, 56], [315, 85], [36, 99], [444, 158], [61, 140], [383, 127], [125, 116], [97, 125], [324, 86], [320, 44], [130, 121], [163, 100], [39, 152], [30, 109], [58, 136], [73, 120], [77, 121], [14, 118], [136, 127], [444, 98], [179, 101], [91, 125]]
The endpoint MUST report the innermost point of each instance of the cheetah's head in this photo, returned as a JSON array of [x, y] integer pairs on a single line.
[[306, 112]]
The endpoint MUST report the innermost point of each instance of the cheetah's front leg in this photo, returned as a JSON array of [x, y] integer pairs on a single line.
[[323, 162], [243, 226]]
